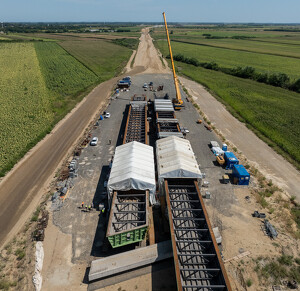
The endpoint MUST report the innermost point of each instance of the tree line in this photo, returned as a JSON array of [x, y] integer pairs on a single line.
[[275, 79]]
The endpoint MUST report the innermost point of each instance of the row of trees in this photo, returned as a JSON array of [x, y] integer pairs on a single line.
[[275, 79], [63, 27], [209, 36]]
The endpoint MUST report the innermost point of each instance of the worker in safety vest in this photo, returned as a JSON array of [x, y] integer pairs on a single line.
[[82, 205], [89, 207]]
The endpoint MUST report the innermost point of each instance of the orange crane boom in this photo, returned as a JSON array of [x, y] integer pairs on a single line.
[[178, 100]]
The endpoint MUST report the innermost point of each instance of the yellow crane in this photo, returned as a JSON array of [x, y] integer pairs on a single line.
[[177, 102]]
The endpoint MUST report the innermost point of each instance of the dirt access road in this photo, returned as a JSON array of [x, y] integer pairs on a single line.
[[22, 188], [148, 57]]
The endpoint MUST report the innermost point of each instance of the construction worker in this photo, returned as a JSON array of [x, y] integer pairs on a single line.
[[89, 207], [82, 205], [86, 208]]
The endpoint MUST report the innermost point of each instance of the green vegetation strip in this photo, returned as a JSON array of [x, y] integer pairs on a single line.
[[131, 43]]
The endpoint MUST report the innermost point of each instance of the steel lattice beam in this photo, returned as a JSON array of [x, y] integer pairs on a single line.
[[136, 125], [198, 263]]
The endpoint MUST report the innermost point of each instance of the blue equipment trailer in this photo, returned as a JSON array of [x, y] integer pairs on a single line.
[[230, 160], [240, 175]]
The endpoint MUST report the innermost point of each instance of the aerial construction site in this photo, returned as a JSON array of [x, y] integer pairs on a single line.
[[148, 194]]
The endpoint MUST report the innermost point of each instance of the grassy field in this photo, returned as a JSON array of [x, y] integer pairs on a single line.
[[274, 112], [232, 58], [104, 58], [253, 45], [217, 31], [4, 38], [25, 108]]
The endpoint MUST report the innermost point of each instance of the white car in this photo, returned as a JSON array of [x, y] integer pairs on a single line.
[[145, 86], [94, 141], [107, 115]]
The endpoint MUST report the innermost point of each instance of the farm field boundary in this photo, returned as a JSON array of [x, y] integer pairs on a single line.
[[235, 49]]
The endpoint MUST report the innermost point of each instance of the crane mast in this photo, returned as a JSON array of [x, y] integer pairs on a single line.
[[178, 100]]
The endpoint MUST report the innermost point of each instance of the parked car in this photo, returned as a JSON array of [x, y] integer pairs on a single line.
[[145, 86], [94, 141], [107, 115], [151, 84]]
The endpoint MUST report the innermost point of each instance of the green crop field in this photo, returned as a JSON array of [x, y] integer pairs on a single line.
[[25, 108], [64, 76], [273, 111], [215, 31], [41, 81], [258, 40], [104, 58], [253, 45], [233, 58]]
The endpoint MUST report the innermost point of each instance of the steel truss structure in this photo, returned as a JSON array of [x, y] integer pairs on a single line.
[[128, 220], [165, 114], [198, 263], [167, 126], [136, 126]]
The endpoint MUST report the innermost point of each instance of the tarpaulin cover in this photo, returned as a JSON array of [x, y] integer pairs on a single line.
[[217, 151], [133, 168], [176, 159]]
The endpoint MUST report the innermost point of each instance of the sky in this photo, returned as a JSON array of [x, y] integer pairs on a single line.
[[261, 11]]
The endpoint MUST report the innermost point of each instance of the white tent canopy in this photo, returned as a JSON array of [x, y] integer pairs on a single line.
[[133, 168], [176, 159]]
